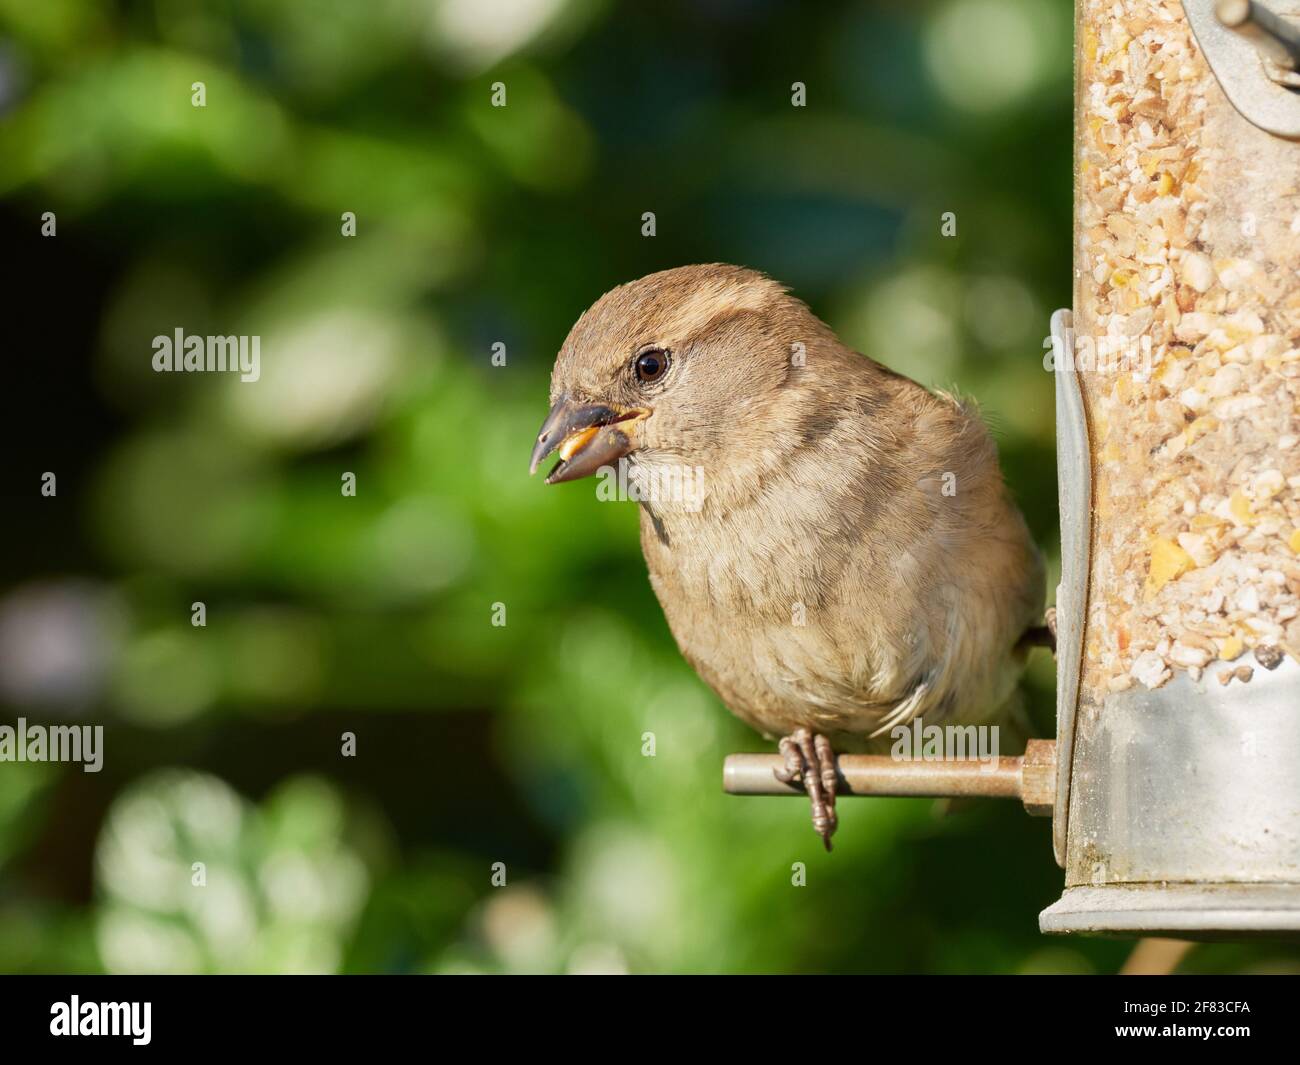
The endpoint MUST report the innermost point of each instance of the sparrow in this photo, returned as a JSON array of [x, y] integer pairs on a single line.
[[832, 544]]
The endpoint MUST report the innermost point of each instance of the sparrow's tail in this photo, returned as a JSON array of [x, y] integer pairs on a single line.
[[1039, 635]]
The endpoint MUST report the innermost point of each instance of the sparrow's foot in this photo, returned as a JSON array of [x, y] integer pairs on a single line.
[[810, 761]]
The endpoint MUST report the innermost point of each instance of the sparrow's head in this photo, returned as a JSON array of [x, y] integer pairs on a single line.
[[685, 366]]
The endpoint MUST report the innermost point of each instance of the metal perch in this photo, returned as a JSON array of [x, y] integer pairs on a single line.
[[1031, 777]]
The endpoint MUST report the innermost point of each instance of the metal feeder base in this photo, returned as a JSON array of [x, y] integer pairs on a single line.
[[1180, 911]]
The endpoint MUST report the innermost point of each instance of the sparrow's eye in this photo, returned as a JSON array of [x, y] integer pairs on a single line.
[[650, 365]]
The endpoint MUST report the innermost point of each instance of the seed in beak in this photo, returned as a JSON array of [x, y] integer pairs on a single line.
[[577, 442]]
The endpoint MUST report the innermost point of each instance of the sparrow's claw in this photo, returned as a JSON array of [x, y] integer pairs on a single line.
[[792, 771], [810, 761]]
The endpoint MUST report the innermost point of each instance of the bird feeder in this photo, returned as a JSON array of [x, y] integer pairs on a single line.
[[1174, 781], [1178, 708]]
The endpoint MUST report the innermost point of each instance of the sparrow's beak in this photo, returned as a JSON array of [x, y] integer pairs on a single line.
[[587, 436]]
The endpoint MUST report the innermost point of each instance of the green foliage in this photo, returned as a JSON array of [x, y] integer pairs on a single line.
[[194, 879]]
